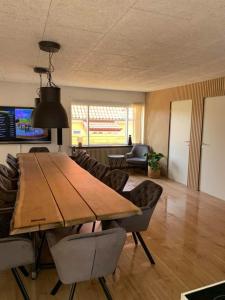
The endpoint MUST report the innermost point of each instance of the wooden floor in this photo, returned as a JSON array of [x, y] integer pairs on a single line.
[[186, 237]]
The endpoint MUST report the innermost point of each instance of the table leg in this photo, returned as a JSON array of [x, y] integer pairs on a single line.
[[34, 265]]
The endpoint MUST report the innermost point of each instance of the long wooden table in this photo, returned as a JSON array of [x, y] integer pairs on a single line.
[[56, 192]]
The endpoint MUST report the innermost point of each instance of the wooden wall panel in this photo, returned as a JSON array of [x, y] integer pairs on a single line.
[[157, 120]]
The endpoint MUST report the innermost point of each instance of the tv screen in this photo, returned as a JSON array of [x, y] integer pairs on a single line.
[[15, 126]]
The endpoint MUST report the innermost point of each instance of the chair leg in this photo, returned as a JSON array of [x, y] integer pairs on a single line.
[[20, 284], [56, 288], [93, 226], [147, 252], [40, 251], [72, 291], [135, 238], [79, 228], [105, 288], [24, 271]]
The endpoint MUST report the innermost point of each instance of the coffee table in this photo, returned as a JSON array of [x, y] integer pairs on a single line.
[[117, 161]]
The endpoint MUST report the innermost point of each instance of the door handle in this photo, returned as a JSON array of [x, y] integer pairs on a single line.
[[205, 144]]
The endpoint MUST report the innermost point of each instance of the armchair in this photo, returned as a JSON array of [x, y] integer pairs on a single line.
[[136, 157]]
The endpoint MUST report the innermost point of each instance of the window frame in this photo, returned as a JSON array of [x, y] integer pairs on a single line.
[[88, 104]]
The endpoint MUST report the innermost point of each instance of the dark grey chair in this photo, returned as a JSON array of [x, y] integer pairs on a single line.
[[13, 158], [145, 196], [89, 164], [15, 252], [7, 172], [8, 184], [7, 193], [82, 257], [38, 149], [116, 179], [136, 158], [13, 164], [99, 171], [78, 155], [83, 160]]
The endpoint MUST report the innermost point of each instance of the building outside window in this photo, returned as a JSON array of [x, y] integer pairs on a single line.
[[101, 125]]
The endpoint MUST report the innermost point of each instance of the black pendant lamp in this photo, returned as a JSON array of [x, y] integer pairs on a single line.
[[50, 113], [40, 71]]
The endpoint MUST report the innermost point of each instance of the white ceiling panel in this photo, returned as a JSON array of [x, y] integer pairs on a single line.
[[137, 45]]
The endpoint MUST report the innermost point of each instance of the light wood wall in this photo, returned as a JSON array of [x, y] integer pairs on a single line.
[[157, 120]]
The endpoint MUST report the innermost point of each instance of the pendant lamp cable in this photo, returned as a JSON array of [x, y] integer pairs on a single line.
[[51, 69], [39, 89]]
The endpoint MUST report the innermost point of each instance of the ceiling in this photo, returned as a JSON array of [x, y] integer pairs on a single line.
[[137, 45]]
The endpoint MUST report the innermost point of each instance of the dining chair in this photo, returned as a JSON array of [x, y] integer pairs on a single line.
[[86, 256], [13, 164], [13, 158], [116, 179], [89, 164], [7, 183], [15, 252], [7, 172], [79, 156], [83, 160], [7, 196], [38, 149], [145, 196], [99, 171]]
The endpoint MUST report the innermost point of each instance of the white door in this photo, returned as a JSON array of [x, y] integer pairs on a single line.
[[180, 128], [212, 175]]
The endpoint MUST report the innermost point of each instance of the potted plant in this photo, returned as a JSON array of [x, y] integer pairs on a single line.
[[153, 159]]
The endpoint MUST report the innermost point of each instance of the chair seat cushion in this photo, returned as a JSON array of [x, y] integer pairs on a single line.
[[136, 161]]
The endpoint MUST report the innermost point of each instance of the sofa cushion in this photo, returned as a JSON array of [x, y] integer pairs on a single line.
[[136, 161]]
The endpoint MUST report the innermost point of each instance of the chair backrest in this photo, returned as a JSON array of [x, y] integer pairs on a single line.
[[7, 183], [15, 252], [13, 165], [5, 218], [13, 158], [99, 171], [38, 149], [82, 257], [7, 172], [80, 156], [146, 194], [116, 179], [89, 164], [139, 150], [7, 197], [84, 159]]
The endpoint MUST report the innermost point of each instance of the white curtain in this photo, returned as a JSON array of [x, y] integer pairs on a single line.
[[138, 122]]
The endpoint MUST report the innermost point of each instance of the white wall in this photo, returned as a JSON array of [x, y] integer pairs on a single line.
[[23, 94]]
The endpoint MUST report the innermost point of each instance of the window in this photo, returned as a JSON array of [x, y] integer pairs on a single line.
[[101, 125]]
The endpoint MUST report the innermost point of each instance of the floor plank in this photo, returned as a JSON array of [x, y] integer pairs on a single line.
[[186, 237]]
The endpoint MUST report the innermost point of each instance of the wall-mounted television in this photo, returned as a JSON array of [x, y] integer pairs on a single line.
[[15, 126]]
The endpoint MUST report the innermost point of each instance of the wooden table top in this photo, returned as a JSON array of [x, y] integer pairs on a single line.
[[56, 192]]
